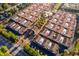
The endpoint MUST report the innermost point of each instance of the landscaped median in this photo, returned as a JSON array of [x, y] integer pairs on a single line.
[[32, 51], [8, 34]]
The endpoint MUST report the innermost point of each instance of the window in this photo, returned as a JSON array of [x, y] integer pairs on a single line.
[[25, 11], [64, 31], [30, 17], [13, 25], [49, 45], [68, 19], [57, 15], [69, 15], [60, 21], [54, 35], [34, 13], [47, 32], [21, 13], [18, 28], [50, 13], [38, 10], [55, 20], [24, 22], [51, 25], [41, 40], [61, 39], [58, 27], [66, 24], [16, 17]]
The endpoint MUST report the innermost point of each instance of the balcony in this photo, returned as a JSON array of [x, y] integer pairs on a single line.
[[48, 44], [31, 17], [21, 14], [68, 42], [68, 19], [40, 40], [18, 28], [66, 25], [50, 25], [53, 36], [25, 23], [45, 32], [54, 20], [57, 28], [61, 39], [60, 22], [64, 31], [57, 16], [15, 18], [70, 33], [25, 10], [12, 24], [55, 48]]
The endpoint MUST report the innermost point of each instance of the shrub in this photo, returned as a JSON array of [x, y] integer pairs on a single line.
[[6, 6], [5, 34], [1, 53], [32, 51], [14, 10], [1, 9], [8, 34], [13, 35], [4, 49]]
